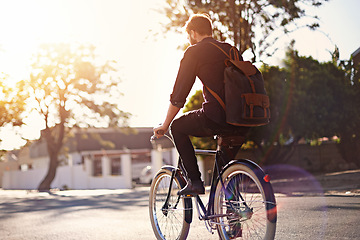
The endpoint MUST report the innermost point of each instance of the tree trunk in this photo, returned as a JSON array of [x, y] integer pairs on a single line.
[[53, 148], [45, 184]]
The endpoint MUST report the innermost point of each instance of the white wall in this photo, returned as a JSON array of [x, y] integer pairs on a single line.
[[74, 177], [161, 157], [41, 162], [80, 176]]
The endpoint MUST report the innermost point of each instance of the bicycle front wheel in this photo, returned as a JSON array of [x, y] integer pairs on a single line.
[[167, 219], [241, 205]]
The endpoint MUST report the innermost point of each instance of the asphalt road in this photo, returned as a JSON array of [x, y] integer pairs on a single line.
[[309, 207], [123, 214]]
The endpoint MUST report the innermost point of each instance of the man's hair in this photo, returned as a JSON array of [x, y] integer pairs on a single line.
[[199, 23]]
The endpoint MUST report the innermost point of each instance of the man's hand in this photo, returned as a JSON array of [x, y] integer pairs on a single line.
[[160, 131]]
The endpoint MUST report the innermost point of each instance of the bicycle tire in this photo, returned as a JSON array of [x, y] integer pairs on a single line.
[[169, 224], [257, 220]]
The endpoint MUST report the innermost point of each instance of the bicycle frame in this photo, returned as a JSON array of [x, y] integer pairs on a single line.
[[207, 213]]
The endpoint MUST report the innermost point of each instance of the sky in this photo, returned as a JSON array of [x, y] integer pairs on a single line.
[[130, 32]]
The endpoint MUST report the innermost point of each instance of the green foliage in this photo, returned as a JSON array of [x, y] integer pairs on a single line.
[[306, 98], [280, 91], [194, 103], [12, 102], [253, 25], [69, 88], [324, 98], [312, 100], [204, 143]]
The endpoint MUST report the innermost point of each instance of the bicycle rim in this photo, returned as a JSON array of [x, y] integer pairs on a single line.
[[242, 204], [167, 223]]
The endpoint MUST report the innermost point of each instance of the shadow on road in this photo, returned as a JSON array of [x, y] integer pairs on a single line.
[[294, 181], [71, 201]]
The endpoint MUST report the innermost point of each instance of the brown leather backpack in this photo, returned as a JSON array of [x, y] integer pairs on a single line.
[[246, 101]]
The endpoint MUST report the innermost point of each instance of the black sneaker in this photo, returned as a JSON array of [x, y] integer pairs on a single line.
[[192, 188]]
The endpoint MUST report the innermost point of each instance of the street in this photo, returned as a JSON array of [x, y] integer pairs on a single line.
[[123, 214]]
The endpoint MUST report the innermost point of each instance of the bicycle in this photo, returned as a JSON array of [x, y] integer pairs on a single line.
[[241, 200]]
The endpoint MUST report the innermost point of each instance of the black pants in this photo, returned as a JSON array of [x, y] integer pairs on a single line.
[[195, 123]]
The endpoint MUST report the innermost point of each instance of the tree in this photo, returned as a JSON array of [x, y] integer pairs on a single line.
[[12, 102], [195, 102], [349, 131], [302, 104], [249, 24], [312, 100], [318, 97], [70, 90], [269, 139]]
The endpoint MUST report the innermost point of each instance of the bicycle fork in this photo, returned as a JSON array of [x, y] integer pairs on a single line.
[[165, 207]]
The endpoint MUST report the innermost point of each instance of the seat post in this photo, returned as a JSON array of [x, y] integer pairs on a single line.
[[218, 142], [229, 141]]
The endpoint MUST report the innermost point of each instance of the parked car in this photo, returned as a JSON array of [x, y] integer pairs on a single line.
[[146, 175]]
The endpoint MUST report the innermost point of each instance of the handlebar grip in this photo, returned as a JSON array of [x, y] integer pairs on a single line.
[[160, 132]]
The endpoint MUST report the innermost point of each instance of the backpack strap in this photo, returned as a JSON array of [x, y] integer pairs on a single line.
[[221, 50], [233, 52], [245, 66], [217, 97]]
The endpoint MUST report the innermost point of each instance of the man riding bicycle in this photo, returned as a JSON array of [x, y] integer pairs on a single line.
[[201, 59]]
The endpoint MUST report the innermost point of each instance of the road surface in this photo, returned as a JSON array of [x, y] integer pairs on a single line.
[[123, 214]]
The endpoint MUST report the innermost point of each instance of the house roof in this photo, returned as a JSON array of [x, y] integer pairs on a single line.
[[96, 139], [356, 57], [357, 51]]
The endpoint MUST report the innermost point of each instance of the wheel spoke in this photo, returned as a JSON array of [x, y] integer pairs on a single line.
[[242, 206], [167, 220]]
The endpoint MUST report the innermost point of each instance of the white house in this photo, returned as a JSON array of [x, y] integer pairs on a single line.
[[92, 159]]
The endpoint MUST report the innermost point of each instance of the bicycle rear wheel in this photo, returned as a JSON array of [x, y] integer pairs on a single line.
[[242, 206], [168, 222]]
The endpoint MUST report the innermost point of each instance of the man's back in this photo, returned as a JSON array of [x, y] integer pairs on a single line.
[[207, 62]]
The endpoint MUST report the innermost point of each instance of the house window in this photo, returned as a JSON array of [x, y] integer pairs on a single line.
[[141, 158], [116, 165], [97, 167]]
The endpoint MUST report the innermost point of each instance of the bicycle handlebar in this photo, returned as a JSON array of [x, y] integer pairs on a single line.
[[153, 137], [160, 132]]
